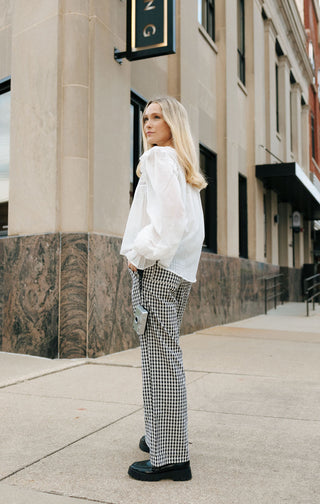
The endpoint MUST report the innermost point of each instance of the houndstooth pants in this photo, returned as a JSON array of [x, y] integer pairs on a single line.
[[165, 296]]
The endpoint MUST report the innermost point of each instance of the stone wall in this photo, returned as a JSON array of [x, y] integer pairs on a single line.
[[68, 295], [292, 284]]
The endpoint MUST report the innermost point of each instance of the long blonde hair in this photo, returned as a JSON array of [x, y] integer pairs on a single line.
[[175, 115]]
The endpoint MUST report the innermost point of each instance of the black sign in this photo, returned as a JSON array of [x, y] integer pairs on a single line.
[[150, 29]]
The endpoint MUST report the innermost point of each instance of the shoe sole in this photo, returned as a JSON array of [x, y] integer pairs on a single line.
[[183, 475]]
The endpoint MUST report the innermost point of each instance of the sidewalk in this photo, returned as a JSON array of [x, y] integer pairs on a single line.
[[70, 429]]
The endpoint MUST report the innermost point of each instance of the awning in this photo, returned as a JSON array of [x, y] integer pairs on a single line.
[[293, 186]]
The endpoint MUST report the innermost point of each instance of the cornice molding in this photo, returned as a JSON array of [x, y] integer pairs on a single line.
[[296, 28], [284, 60], [270, 27], [296, 87]]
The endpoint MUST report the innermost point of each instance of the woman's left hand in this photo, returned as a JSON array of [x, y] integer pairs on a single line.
[[132, 267]]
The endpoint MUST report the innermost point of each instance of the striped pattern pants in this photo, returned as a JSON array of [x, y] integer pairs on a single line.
[[165, 296]]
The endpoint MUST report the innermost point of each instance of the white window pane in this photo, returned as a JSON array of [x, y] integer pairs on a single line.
[[4, 146]]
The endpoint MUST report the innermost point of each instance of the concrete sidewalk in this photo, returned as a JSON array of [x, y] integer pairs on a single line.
[[70, 429]]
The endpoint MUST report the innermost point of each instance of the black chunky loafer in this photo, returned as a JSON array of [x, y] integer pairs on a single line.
[[144, 471]]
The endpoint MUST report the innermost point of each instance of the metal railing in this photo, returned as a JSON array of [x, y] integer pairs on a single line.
[[312, 291], [273, 290]]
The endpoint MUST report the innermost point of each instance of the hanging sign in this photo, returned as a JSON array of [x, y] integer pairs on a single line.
[[150, 29]]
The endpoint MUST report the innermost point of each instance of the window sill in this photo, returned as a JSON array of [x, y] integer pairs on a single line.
[[207, 37], [242, 87]]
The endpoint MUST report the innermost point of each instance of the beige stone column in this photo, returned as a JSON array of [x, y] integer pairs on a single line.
[[5, 39], [305, 138], [270, 34], [35, 118], [307, 245], [272, 228], [296, 122], [284, 106], [255, 125], [270, 86], [189, 63], [298, 249], [109, 120], [227, 174], [74, 163], [285, 235]]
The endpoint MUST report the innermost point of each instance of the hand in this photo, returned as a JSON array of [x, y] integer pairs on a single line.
[[132, 267]]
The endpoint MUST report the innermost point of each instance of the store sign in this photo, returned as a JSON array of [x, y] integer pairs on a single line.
[[150, 29]]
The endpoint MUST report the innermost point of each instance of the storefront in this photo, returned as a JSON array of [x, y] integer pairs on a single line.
[[75, 142]]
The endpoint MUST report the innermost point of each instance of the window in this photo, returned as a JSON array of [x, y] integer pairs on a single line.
[[313, 140], [206, 16], [291, 121], [136, 110], [243, 217], [208, 165], [277, 98], [265, 224], [241, 42], [4, 153]]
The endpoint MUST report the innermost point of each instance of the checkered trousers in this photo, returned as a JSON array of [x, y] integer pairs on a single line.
[[164, 295]]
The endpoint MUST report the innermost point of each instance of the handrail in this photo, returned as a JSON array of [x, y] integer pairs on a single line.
[[276, 292], [312, 292]]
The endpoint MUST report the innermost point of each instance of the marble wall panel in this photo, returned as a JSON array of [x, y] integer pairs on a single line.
[[110, 312], [214, 299], [30, 283], [292, 281], [228, 289], [91, 314], [73, 295], [252, 286]]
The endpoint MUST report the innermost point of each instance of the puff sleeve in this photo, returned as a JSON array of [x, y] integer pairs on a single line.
[[160, 238]]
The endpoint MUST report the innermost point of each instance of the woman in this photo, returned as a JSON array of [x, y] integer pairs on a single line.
[[162, 242]]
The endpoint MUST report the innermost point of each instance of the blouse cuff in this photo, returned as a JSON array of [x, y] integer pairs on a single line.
[[138, 260], [133, 257]]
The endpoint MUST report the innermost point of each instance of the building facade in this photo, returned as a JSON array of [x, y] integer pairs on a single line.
[[242, 71], [310, 13]]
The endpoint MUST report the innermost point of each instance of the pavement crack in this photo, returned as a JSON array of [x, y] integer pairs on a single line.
[[230, 413], [208, 371], [86, 499], [69, 398], [85, 436], [41, 374], [62, 494]]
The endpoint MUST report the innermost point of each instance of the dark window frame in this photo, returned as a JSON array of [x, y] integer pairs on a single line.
[[277, 98], [241, 42], [291, 121], [208, 17], [209, 198], [138, 103], [313, 138], [243, 217], [5, 87]]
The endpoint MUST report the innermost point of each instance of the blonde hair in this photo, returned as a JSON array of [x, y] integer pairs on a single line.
[[175, 115]]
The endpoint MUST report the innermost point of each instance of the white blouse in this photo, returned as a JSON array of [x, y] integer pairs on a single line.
[[165, 222]]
